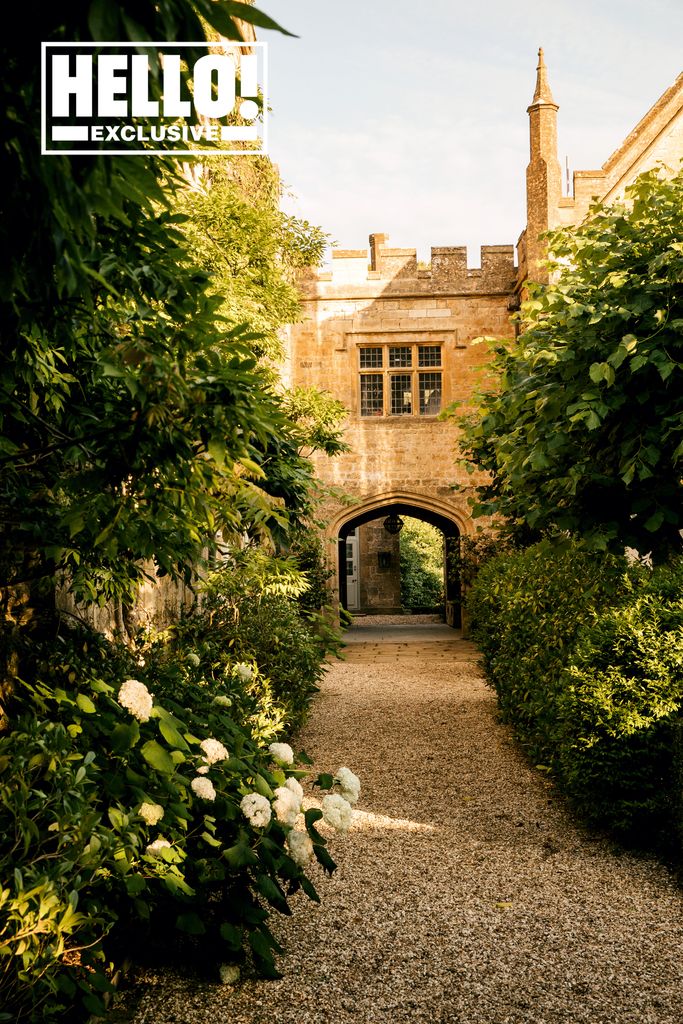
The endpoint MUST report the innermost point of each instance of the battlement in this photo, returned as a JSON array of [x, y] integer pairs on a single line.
[[449, 271]]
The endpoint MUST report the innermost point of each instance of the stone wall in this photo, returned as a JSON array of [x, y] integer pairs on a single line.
[[379, 297], [159, 604], [380, 584]]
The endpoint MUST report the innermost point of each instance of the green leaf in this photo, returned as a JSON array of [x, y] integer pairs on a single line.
[[272, 892], [240, 855], [93, 1004], [217, 449], [262, 787], [324, 858], [191, 923], [309, 888], [117, 818], [211, 840], [85, 704], [655, 521], [157, 757], [232, 935], [135, 884], [172, 735]]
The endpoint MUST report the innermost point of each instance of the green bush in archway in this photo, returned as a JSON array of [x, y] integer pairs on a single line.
[[422, 574]]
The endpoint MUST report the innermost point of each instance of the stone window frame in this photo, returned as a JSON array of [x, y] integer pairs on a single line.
[[379, 370]]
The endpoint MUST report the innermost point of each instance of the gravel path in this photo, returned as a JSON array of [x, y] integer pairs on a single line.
[[464, 893]]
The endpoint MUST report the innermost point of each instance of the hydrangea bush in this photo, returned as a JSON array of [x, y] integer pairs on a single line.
[[145, 810]]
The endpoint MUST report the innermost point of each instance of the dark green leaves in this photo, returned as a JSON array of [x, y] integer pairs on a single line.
[[584, 430]]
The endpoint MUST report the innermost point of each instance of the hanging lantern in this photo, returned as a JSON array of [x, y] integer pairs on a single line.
[[393, 524]]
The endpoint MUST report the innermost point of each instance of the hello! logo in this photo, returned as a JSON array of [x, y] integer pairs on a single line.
[[146, 99]]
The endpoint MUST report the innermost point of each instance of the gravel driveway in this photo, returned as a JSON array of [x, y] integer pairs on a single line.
[[464, 893]]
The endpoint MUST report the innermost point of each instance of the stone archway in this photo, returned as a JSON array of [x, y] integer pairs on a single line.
[[444, 517]]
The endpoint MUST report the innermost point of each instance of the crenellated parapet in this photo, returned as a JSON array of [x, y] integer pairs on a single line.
[[389, 270]]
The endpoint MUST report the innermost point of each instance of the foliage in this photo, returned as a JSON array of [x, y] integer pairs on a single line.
[[80, 876], [473, 552], [584, 432], [133, 423], [306, 548], [319, 419], [137, 426], [54, 848], [586, 655], [250, 610], [249, 248], [422, 565]]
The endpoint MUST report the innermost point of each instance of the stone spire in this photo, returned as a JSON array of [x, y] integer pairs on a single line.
[[543, 175], [543, 93]]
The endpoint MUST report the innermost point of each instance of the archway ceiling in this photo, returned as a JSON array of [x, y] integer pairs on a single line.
[[402, 508]]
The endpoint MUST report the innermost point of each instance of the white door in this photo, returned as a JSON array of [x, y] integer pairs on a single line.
[[352, 599]]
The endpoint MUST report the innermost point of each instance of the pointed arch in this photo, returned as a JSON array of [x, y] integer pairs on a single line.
[[449, 520]]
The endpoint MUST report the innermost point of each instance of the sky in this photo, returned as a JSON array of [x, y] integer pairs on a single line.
[[409, 117]]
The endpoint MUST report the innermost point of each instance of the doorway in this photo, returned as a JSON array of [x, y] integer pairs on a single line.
[[352, 573]]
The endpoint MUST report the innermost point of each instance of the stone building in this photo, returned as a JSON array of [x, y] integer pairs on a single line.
[[392, 341]]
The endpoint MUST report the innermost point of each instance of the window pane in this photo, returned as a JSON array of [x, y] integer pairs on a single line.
[[401, 394], [370, 358], [429, 355], [430, 393], [371, 394], [400, 355]]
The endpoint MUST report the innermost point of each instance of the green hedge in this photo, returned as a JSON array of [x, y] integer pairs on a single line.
[[586, 656]]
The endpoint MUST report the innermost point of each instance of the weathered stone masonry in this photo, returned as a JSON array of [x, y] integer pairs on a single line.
[[404, 458]]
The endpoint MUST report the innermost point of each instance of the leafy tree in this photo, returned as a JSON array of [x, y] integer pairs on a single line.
[[250, 248], [584, 431], [132, 422], [251, 252]]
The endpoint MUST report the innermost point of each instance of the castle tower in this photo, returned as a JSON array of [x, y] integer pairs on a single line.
[[543, 174]]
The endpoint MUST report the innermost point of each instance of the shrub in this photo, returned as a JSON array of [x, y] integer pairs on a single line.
[[123, 832], [527, 609], [422, 560], [250, 611], [53, 857], [586, 655]]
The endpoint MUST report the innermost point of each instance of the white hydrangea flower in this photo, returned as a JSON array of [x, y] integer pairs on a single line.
[[300, 848], [203, 769], [350, 785], [337, 812], [222, 701], [152, 813], [203, 788], [213, 751], [136, 698], [286, 805], [257, 809], [295, 787], [243, 671], [282, 753], [193, 659], [157, 846], [229, 973]]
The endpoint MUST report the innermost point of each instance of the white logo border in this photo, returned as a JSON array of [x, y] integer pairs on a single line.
[[143, 44]]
